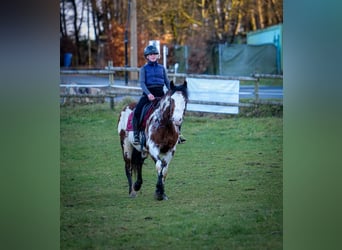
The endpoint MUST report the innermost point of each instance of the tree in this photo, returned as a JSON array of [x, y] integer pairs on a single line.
[[71, 19], [196, 23]]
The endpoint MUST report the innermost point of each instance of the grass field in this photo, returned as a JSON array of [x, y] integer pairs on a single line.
[[265, 82], [224, 186]]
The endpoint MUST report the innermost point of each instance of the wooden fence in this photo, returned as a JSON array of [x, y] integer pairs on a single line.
[[111, 90]]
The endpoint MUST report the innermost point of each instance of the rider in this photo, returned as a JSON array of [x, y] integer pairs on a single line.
[[152, 79]]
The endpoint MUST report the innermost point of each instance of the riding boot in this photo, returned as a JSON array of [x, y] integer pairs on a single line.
[[181, 139], [135, 131]]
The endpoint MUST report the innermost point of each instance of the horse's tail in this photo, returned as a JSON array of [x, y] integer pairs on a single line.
[[136, 160]]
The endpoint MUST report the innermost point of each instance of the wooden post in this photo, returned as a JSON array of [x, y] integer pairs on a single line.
[[256, 89], [89, 42], [176, 69], [111, 75], [111, 102], [134, 43]]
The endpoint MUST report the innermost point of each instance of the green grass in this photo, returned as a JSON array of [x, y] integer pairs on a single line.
[[277, 82], [224, 186]]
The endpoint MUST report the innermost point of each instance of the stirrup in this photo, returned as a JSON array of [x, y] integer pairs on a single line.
[[136, 140]]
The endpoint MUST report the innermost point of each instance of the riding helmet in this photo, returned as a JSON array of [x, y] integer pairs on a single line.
[[150, 49]]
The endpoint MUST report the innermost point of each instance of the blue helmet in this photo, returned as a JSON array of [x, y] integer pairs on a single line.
[[150, 49]]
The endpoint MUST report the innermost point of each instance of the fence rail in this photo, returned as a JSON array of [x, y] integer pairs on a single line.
[[113, 90], [112, 70]]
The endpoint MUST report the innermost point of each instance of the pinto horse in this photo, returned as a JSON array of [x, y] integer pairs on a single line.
[[161, 138]]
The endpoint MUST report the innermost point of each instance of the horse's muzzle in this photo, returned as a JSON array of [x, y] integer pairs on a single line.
[[177, 122]]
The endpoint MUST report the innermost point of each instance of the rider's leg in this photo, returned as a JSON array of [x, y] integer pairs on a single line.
[[135, 130], [136, 117]]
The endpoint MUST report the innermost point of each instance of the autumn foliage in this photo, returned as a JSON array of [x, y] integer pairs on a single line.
[[197, 24]]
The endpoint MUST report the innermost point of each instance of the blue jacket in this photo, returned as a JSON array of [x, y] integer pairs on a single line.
[[153, 74]]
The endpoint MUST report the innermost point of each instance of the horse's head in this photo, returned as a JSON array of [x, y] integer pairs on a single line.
[[179, 97]]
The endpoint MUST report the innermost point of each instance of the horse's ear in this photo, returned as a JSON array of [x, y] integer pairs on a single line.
[[172, 85], [185, 84]]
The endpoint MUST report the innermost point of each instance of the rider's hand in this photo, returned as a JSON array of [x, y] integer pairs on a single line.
[[151, 97]]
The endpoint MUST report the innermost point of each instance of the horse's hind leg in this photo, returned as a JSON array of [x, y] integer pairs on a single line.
[[139, 181], [128, 170], [127, 155], [137, 162], [132, 188]]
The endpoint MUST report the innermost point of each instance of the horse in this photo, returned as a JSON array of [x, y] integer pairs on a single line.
[[161, 136]]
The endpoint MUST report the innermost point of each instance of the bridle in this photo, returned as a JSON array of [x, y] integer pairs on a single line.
[[157, 101]]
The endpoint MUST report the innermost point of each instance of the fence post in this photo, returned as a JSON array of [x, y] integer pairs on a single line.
[[176, 69], [111, 102], [111, 75], [256, 89]]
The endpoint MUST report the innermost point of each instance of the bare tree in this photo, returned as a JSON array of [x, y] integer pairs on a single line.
[[196, 23]]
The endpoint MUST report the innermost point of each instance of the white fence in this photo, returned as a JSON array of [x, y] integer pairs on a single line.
[[112, 90]]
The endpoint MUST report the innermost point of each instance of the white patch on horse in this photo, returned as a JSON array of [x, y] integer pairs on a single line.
[[128, 136], [122, 125], [178, 112]]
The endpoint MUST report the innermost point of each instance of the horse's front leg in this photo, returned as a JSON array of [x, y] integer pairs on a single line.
[[161, 166]]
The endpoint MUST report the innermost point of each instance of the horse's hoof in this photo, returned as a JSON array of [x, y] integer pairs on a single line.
[[160, 197], [133, 194]]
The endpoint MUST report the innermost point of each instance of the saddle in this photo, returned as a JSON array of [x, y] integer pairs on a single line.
[[146, 112]]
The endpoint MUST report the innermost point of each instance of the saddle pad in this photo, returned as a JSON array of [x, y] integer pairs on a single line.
[[130, 122], [146, 113]]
